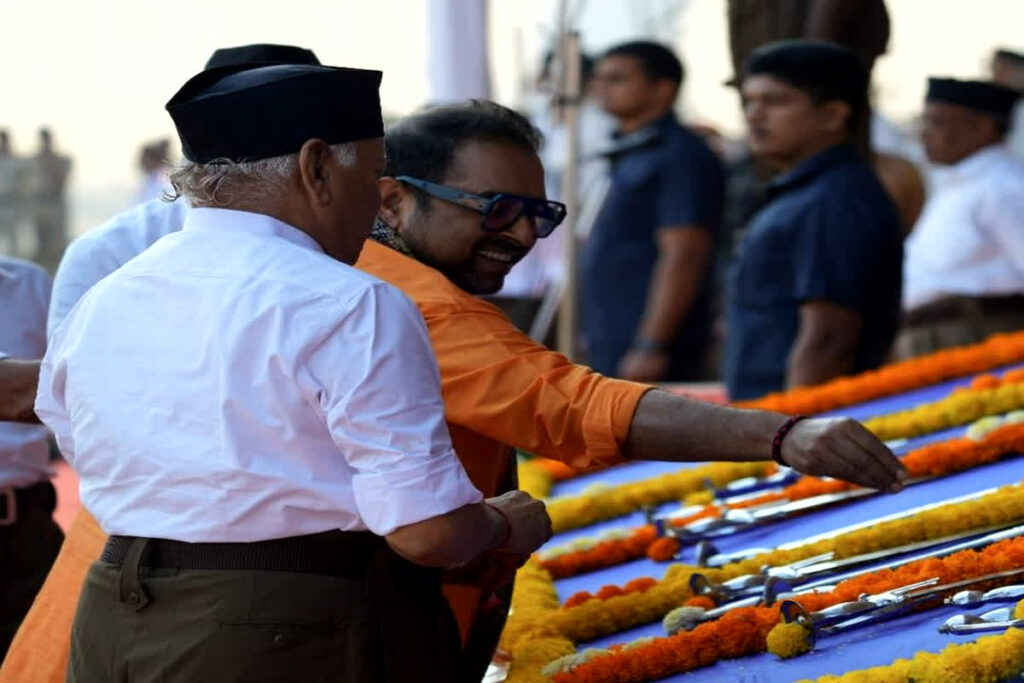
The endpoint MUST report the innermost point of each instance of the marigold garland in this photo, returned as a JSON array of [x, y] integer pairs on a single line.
[[528, 636], [990, 659], [987, 395], [591, 617], [745, 631], [998, 350], [614, 501], [929, 461], [534, 480]]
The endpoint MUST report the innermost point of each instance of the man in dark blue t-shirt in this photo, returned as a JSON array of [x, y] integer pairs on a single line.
[[815, 288], [644, 289]]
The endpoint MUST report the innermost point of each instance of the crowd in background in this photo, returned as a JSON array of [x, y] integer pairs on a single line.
[[669, 288], [682, 278], [33, 201]]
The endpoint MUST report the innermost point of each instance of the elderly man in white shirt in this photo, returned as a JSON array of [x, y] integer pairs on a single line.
[[102, 250], [259, 426], [29, 538], [964, 266]]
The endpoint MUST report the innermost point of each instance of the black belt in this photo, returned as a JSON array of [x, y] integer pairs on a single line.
[[332, 553], [18, 503]]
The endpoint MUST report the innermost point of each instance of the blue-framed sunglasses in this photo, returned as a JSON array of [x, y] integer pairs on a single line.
[[501, 211]]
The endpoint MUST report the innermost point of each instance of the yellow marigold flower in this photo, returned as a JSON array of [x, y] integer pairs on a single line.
[[789, 640]]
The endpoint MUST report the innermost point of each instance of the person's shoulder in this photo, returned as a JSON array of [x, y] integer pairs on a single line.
[[1006, 170], [20, 269], [134, 228], [426, 286], [682, 143]]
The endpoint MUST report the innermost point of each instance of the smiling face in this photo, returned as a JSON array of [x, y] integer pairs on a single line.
[[448, 236]]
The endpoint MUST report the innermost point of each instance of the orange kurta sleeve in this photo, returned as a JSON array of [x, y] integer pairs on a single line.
[[498, 382], [39, 652]]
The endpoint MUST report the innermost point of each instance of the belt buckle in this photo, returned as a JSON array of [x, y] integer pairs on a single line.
[[10, 509]]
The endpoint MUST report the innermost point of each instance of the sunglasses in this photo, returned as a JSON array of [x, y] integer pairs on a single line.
[[500, 211]]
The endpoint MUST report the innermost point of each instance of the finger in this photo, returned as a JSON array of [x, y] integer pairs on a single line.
[[870, 470], [844, 463], [878, 450]]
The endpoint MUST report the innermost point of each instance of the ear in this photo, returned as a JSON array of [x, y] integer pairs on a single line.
[[666, 90], [835, 115], [393, 200], [315, 171]]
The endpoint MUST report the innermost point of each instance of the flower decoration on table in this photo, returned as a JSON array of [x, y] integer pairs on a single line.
[[607, 502], [748, 630], [537, 476], [986, 395], [987, 441], [990, 659], [999, 350], [586, 616], [528, 637]]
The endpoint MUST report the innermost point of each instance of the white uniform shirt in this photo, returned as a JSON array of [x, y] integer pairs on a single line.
[[24, 295], [1015, 138], [107, 247], [969, 240], [233, 383]]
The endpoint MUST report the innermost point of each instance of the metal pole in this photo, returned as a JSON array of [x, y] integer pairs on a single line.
[[568, 94]]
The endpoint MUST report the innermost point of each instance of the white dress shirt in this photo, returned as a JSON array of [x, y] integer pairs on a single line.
[[969, 240], [107, 247], [24, 295], [234, 383]]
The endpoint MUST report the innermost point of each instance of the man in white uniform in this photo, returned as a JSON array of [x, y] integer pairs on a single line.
[[29, 538], [259, 426], [964, 267]]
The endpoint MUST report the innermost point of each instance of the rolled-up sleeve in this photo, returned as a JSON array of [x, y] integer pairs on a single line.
[[382, 402], [498, 382]]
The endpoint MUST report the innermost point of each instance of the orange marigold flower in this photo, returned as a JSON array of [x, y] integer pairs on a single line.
[[664, 549]]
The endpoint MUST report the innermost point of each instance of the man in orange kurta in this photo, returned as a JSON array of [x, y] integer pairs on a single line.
[[501, 390]]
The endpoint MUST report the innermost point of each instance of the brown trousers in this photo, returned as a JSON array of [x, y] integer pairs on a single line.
[[147, 625], [957, 321]]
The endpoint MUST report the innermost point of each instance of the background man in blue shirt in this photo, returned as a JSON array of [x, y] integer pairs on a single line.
[[645, 270], [815, 288]]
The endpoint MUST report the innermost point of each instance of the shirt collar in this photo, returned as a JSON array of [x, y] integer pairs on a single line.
[[652, 128], [223, 220], [809, 168]]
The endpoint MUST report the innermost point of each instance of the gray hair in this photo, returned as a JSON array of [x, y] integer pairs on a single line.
[[242, 184]]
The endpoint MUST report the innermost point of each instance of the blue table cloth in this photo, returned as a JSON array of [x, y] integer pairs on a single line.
[[870, 646]]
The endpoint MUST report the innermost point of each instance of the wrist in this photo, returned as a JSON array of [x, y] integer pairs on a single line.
[[780, 435], [649, 345], [502, 526]]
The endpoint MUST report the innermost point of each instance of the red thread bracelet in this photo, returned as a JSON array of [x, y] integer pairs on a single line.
[[781, 434], [508, 524]]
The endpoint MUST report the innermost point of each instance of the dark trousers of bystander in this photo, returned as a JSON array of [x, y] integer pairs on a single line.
[[957, 321], [29, 543]]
